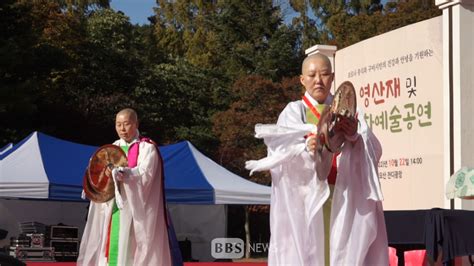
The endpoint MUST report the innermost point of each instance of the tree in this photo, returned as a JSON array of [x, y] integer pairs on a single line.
[[362, 21], [343, 23], [403, 13], [84, 5], [178, 101], [232, 37], [257, 100], [29, 53], [310, 34], [110, 30], [101, 68], [183, 30], [225, 40]]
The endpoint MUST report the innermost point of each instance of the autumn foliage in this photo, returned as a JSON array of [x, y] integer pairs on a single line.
[[202, 71]]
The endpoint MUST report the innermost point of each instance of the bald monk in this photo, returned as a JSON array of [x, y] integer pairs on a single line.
[[137, 233], [317, 219]]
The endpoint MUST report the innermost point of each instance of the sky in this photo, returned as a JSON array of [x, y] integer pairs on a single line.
[[139, 10]]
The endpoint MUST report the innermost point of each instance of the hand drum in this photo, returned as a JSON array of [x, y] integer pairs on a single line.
[[344, 103], [98, 186]]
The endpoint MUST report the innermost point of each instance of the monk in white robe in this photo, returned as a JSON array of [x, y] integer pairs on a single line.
[[356, 226], [139, 235]]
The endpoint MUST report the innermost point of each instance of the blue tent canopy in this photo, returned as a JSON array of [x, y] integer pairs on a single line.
[[45, 167], [5, 149], [194, 190]]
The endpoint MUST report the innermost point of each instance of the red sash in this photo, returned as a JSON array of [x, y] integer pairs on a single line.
[[311, 107], [333, 173]]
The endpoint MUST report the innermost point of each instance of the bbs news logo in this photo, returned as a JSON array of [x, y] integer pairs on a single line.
[[234, 248], [227, 248]]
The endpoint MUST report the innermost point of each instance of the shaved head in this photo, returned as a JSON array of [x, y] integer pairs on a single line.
[[126, 124], [316, 76], [318, 56], [130, 113]]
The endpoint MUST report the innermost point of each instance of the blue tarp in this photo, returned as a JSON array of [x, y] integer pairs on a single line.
[[45, 167]]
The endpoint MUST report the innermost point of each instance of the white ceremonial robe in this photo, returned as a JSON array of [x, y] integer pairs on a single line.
[[143, 235], [357, 228]]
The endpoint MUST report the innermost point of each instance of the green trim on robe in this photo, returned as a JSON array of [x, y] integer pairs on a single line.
[[114, 236], [327, 222], [125, 149], [115, 229], [310, 117]]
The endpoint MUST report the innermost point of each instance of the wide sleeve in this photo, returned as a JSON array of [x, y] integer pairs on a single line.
[[361, 158], [284, 141], [148, 168], [292, 115]]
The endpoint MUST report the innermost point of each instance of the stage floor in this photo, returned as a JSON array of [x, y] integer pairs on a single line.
[[185, 264]]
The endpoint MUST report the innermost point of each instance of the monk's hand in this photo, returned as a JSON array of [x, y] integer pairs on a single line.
[[311, 142], [347, 125], [121, 173], [108, 172]]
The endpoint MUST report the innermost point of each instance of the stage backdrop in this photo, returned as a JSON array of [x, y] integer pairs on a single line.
[[398, 81]]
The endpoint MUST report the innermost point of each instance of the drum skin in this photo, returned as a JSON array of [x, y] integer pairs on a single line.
[[98, 186], [344, 103]]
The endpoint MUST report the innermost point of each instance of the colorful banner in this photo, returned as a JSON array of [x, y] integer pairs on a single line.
[[398, 80]]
